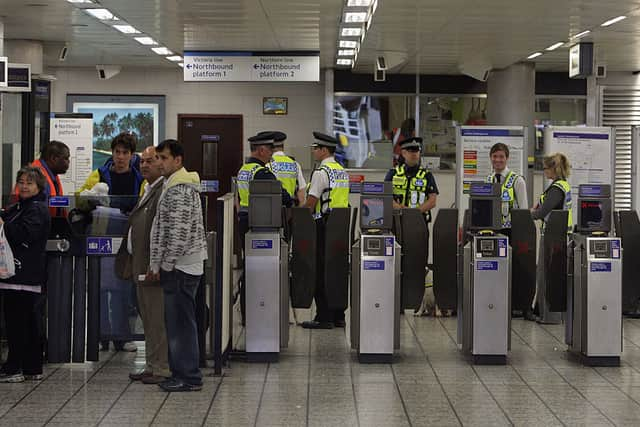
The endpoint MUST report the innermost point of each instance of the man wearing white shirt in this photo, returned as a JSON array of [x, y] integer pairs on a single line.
[[513, 188], [150, 297]]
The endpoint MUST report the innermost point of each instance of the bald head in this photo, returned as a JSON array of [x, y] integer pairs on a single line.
[[150, 166]]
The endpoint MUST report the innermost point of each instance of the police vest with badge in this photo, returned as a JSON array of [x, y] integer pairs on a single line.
[[284, 167], [508, 195], [336, 193], [411, 189], [567, 204]]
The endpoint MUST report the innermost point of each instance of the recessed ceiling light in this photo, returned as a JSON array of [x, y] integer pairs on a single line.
[[126, 29], [582, 34], [162, 51], [351, 17], [359, 2], [147, 41], [175, 58], [346, 52], [102, 14], [344, 61], [554, 46], [612, 21], [351, 32], [534, 55], [349, 44]]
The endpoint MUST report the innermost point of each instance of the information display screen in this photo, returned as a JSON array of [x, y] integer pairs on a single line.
[[372, 213], [592, 216], [482, 213]]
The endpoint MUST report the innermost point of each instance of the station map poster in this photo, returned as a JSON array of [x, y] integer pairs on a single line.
[[76, 131], [590, 153], [473, 164]]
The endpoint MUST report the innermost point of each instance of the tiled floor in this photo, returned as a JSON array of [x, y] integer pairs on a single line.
[[319, 383]]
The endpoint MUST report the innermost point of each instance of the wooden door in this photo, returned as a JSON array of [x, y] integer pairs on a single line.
[[213, 148]]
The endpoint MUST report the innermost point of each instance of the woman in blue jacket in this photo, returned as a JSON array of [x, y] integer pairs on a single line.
[[26, 227]]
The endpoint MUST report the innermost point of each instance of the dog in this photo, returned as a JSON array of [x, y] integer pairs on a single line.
[[429, 307]]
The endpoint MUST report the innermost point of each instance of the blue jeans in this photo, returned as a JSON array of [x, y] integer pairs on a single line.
[[180, 319]]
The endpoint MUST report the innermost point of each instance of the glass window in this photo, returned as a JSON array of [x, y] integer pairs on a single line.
[[439, 116], [367, 127], [556, 112]]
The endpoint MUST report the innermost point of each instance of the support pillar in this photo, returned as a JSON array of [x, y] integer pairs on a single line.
[[511, 94]]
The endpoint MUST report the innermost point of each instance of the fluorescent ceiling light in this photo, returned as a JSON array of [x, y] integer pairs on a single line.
[[175, 58], [79, 1], [351, 32], [147, 41], [612, 21], [582, 34], [126, 29], [162, 50], [351, 17], [554, 46], [181, 64], [374, 7], [346, 52], [349, 44], [359, 2], [102, 14], [344, 61], [534, 55]]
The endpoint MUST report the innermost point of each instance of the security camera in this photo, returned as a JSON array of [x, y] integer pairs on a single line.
[[107, 71], [63, 53], [381, 63]]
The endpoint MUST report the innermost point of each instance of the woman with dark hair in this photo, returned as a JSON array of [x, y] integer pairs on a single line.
[[26, 226]]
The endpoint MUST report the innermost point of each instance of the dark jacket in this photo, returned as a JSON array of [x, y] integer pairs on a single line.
[[26, 226]]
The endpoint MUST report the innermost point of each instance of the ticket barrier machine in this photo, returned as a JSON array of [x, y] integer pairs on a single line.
[[375, 278], [594, 301], [484, 302], [266, 274]]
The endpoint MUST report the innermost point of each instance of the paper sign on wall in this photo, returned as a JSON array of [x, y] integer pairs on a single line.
[[76, 131]]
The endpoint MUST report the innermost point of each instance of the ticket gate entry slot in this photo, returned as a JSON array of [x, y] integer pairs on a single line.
[[484, 302], [594, 303], [375, 284], [266, 274]]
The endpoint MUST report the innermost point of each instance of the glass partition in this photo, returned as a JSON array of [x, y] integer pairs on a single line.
[[367, 127]]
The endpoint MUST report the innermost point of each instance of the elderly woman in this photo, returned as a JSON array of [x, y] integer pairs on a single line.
[[26, 227]]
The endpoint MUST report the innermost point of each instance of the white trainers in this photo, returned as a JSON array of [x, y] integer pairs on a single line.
[[11, 378]]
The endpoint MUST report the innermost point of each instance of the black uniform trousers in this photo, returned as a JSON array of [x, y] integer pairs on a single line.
[[323, 312], [23, 319]]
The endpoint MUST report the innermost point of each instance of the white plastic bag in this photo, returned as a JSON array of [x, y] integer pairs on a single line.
[[7, 266]]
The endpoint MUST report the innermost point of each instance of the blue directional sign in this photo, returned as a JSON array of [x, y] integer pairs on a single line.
[[210, 186], [59, 202], [99, 246]]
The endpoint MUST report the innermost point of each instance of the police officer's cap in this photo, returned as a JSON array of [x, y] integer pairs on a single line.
[[262, 138], [277, 135], [412, 143], [323, 140]]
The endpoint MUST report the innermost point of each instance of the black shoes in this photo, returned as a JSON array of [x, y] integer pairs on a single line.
[[339, 323], [313, 324], [172, 385]]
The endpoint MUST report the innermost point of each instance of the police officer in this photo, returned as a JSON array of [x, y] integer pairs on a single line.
[[329, 189], [513, 187], [255, 168], [413, 185], [287, 170]]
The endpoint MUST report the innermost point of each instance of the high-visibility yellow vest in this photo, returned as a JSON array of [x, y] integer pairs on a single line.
[[245, 175], [410, 192], [337, 194], [286, 171], [508, 195], [567, 204]]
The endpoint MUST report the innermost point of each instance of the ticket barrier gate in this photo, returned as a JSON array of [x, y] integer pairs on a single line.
[[375, 280], [484, 302], [594, 306], [266, 274]]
